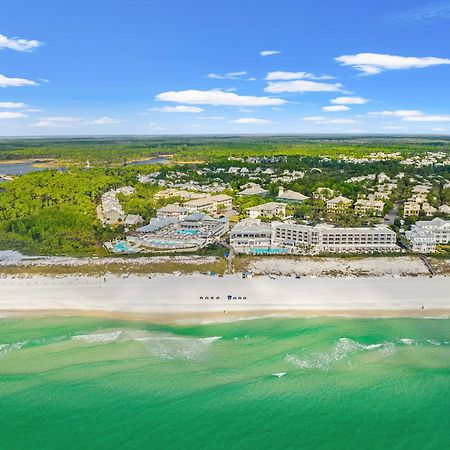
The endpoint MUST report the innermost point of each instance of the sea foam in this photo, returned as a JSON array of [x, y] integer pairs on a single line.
[[176, 347], [340, 350], [97, 338]]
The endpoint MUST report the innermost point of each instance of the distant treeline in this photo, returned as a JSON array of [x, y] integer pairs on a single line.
[[120, 150]]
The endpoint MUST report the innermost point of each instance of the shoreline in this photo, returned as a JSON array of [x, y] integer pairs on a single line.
[[200, 298]]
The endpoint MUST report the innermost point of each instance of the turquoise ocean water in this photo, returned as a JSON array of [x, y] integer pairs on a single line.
[[88, 383]]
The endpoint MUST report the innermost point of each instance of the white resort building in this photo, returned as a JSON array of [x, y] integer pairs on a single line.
[[426, 234], [254, 236]]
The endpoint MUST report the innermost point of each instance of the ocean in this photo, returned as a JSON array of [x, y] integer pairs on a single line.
[[278, 383]]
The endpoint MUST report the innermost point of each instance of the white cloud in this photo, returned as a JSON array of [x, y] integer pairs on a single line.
[[251, 121], [50, 124], [325, 120], [56, 122], [438, 129], [314, 118], [281, 75], [426, 118], [335, 108], [349, 101], [12, 105], [62, 119], [301, 86], [217, 98], [398, 113], [179, 109], [11, 115], [20, 45], [393, 128], [105, 121], [15, 82], [230, 76], [373, 63], [409, 115], [269, 52], [342, 121]]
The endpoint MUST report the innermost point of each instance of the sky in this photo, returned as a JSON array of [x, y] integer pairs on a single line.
[[168, 67]]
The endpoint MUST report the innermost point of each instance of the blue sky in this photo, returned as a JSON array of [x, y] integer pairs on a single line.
[[177, 67]]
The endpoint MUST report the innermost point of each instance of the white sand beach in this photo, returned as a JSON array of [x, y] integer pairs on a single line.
[[167, 295]]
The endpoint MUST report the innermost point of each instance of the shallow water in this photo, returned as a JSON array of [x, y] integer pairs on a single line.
[[252, 384]]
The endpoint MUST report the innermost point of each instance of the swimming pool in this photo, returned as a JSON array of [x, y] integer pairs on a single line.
[[121, 246], [187, 231], [268, 251]]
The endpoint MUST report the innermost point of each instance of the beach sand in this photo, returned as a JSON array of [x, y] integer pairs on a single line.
[[167, 297]]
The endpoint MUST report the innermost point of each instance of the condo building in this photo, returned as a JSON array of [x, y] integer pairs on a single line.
[[249, 236]]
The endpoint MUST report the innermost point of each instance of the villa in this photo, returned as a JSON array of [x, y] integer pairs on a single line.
[[411, 209], [370, 207], [339, 205]]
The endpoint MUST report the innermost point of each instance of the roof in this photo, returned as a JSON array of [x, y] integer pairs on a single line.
[[436, 222], [249, 226], [292, 195], [173, 207], [133, 219], [255, 190], [340, 199], [156, 224], [373, 203], [200, 202], [271, 206], [221, 197]]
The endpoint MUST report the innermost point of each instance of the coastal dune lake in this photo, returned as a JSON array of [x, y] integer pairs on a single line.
[[317, 383]]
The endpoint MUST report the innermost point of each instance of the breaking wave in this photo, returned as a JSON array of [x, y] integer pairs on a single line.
[[96, 338], [8, 348], [340, 350], [175, 347]]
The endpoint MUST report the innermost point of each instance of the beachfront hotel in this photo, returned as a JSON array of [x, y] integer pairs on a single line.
[[426, 234], [254, 236]]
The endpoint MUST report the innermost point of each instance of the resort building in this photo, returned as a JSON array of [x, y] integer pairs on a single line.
[[411, 209], [168, 233], [425, 235], [210, 204], [290, 196], [327, 238], [173, 210], [339, 205], [369, 207], [254, 236], [110, 211], [251, 234], [445, 209], [271, 209]]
